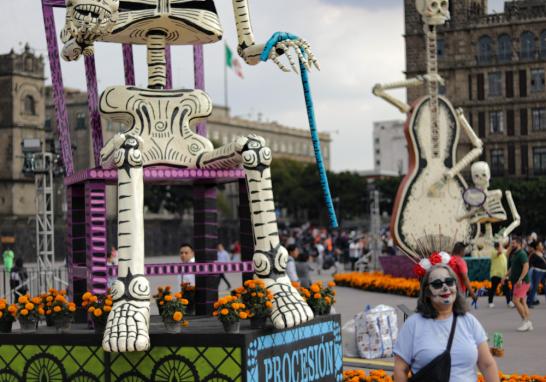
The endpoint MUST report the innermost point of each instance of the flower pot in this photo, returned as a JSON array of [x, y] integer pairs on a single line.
[[99, 327], [325, 311], [258, 322], [50, 321], [172, 326], [28, 325], [231, 327], [62, 324], [5, 326]]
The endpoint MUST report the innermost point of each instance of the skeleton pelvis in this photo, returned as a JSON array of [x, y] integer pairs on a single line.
[[163, 119]]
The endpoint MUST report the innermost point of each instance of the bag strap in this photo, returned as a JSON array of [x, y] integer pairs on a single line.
[[452, 334]]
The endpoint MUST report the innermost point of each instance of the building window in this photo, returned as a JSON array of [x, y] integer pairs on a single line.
[[378, 163], [537, 80], [504, 48], [495, 122], [528, 48], [47, 125], [29, 105], [539, 119], [80, 121], [441, 48], [543, 45], [495, 84], [509, 81], [497, 162], [539, 160], [485, 50]]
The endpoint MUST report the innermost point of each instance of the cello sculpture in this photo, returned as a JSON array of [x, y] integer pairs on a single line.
[[429, 199]]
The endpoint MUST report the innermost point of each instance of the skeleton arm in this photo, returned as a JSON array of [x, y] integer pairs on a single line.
[[474, 153], [252, 52], [517, 220], [380, 91]]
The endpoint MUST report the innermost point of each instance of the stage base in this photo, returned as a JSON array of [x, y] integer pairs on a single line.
[[202, 353]]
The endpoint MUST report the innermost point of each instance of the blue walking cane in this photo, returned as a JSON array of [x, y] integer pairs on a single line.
[[282, 36]]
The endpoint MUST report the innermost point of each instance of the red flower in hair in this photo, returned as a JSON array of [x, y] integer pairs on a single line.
[[419, 270], [435, 258], [453, 263]]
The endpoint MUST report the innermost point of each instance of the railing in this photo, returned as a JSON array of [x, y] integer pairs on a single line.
[[38, 281]]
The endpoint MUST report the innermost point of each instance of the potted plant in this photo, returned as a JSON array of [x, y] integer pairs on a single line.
[[47, 301], [61, 312], [230, 310], [6, 316], [159, 297], [319, 298], [188, 293], [258, 301], [98, 307], [28, 312], [173, 311]]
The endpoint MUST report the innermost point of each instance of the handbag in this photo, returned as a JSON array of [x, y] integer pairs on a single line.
[[439, 369]]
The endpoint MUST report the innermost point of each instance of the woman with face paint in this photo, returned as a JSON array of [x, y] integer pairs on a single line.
[[442, 342]]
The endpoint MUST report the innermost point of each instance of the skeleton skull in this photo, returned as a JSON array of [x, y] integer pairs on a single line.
[[433, 12], [481, 175]]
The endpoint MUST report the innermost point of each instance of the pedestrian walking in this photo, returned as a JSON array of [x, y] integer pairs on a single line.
[[303, 269], [223, 257], [499, 267], [518, 275], [537, 271]]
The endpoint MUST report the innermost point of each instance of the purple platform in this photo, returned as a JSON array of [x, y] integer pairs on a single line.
[[397, 266], [158, 174]]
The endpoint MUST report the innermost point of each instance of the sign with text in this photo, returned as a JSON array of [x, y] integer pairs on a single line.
[[309, 353]]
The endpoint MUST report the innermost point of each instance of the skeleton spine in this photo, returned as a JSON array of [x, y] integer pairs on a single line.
[[157, 62], [432, 70], [242, 19]]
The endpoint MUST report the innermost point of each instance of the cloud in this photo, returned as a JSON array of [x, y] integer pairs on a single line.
[[368, 4]]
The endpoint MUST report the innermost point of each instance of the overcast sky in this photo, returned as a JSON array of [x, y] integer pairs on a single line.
[[358, 43]]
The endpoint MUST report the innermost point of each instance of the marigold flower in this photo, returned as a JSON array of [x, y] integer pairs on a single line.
[[178, 295], [315, 288], [12, 309], [29, 306], [185, 323], [243, 315], [91, 309], [108, 302], [268, 304], [224, 312], [107, 309], [72, 308], [59, 298], [22, 299], [36, 300], [48, 312], [168, 297], [161, 302], [41, 311], [86, 296], [2, 306], [177, 316], [316, 295], [97, 313], [167, 289], [1, 314], [49, 298], [331, 284], [57, 309], [215, 313], [24, 312], [184, 301]]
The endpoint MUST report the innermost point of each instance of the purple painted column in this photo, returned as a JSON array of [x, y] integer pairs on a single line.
[[205, 237], [246, 237], [128, 64], [58, 89], [168, 58], [95, 229], [199, 80], [93, 106]]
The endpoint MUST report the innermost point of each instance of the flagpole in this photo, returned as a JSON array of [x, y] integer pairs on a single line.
[[225, 80]]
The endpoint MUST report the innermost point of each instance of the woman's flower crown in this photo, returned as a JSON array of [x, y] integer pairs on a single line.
[[425, 264]]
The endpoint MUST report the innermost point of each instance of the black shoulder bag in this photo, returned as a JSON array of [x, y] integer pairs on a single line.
[[439, 369]]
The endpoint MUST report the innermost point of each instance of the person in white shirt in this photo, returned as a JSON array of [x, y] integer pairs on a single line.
[[222, 257], [293, 253], [186, 256]]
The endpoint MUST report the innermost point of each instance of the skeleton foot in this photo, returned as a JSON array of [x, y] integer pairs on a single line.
[[127, 326], [289, 308]]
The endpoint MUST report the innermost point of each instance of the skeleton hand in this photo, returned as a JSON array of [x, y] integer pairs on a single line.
[[433, 78], [280, 43], [86, 22]]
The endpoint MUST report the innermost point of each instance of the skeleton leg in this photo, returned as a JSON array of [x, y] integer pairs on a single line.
[[270, 257], [517, 220], [127, 326]]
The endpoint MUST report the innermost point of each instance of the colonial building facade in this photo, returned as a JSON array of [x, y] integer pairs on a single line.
[[494, 67]]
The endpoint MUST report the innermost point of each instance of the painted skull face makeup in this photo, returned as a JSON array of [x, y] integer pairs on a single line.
[[442, 286]]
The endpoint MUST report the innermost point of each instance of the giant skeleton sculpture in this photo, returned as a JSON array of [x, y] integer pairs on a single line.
[[486, 208], [160, 132], [429, 200]]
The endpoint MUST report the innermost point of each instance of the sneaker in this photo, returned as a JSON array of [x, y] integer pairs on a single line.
[[491, 305], [524, 327], [511, 304], [530, 325]]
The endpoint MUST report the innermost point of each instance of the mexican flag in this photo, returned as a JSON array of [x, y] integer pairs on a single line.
[[233, 63]]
